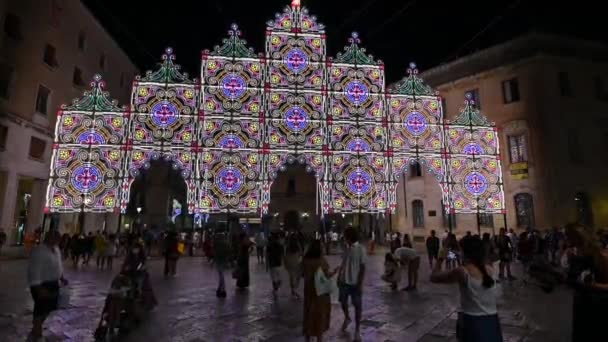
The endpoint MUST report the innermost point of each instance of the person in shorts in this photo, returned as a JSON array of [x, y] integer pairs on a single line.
[[410, 258], [45, 276], [350, 279]]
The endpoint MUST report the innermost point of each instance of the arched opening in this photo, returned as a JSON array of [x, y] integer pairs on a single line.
[[294, 199], [158, 199]]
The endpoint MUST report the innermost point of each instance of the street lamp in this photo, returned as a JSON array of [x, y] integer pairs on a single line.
[[138, 220], [81, 215]]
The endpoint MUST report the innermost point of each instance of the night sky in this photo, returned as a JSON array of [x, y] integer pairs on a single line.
[[397, 32]]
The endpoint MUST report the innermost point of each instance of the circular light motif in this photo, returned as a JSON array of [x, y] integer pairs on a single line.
[[296, 119], [296, 60], [164, 114], [229, 179], [359, 182], [91, 138], [472, 148], [415, 123], [86, 178], [231, 141], [233, 86], [358, 145], [476, 183], [356, 92]]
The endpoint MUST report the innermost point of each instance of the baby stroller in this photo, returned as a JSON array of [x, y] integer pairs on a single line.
[[125, 306]]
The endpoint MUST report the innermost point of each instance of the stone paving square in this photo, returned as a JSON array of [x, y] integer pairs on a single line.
[[190, 312]]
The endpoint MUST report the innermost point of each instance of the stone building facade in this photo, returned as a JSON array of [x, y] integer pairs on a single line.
[[548, 96], [49, 51]]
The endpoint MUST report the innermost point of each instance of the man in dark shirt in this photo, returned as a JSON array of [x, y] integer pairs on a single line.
[[274, 258], [432, 247]]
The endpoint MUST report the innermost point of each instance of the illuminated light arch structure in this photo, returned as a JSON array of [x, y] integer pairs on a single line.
[[231, 132]]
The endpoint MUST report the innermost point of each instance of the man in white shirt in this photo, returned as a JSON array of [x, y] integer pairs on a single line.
[[350, 280], [409, 257], [44, 273]]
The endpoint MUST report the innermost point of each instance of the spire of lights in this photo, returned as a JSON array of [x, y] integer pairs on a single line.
[[295, 3]]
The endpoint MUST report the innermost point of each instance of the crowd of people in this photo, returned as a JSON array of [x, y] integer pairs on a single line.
[[471, 262]]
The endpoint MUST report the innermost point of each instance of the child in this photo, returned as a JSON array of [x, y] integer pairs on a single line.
[[391, 271]]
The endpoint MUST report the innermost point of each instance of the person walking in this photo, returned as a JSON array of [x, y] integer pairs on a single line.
[[275, 253], [317, 309], [407, 242], [293, 259], [89, 248], [111, 251], [260, 246], [505, 254], [242, 262], [478, 315], [220, 260], [171, 254], [45, 276], [2, 239], [409, 257], [101, 244], [432, 247], [350, 279]]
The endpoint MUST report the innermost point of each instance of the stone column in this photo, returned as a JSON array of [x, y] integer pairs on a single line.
[[8, 209], [36, 209]]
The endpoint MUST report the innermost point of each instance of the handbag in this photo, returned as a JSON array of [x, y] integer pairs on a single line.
[[63, 301], [323, 284]]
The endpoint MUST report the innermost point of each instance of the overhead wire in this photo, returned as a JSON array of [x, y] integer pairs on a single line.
[[495, 20]]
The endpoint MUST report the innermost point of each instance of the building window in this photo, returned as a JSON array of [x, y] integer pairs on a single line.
[[600, 88], [510, 90], [50, 56], [473, 94], [291, 187], [3, 137], [518, 149], [82, 41], [418, 213], [449, 220], [12, 26], [486, 220], [574, 148], [583, 209], [37, 147], [563, 80], [102, 61], [42, 100], [415, 170], [77, 78], [524, 210], [6, 79]]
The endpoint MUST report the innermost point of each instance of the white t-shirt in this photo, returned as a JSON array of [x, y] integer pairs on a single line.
[[45, 265], [354, 256], [405, 253]]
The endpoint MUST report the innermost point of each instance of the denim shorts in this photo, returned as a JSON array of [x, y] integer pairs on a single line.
[[347, 290]]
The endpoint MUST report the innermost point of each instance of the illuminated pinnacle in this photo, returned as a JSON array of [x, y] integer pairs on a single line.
[[295, 3]]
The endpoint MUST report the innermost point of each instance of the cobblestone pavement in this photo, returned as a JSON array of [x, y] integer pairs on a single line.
[[189, 310]]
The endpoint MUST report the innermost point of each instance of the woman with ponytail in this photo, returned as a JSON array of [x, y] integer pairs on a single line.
[[478, 317]]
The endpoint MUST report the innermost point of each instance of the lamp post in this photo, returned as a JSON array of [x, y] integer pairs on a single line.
[[81, 215], [138, 220]]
